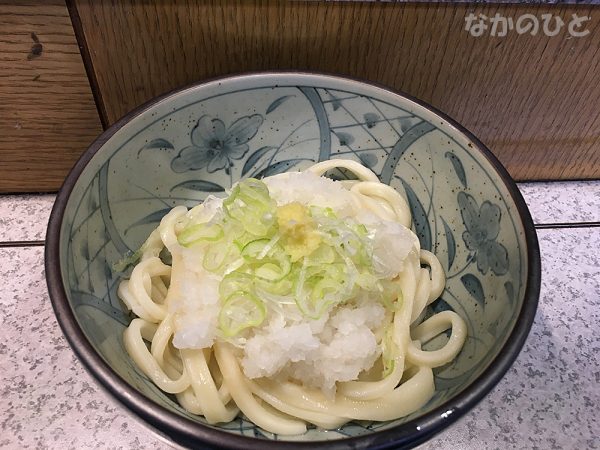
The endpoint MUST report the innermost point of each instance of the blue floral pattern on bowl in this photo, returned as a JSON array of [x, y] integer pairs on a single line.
[[482, 228], [215, 146], [203, 139]]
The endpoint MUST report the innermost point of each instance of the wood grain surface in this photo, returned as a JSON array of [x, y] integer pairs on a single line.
[[534, 100], [47, 112]]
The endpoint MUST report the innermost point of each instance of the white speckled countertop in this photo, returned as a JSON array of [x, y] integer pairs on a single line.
[[548, 400]]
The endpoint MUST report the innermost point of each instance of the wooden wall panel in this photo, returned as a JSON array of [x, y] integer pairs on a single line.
[[47, 112], [534, 100]]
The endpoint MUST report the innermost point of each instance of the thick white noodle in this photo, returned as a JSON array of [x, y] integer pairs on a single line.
[[438, 277], [431, 328], [210, 382], [135, 346], [384, 201], [356, 168]]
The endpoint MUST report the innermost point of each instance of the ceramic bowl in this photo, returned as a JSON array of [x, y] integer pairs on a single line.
[[466, 209]]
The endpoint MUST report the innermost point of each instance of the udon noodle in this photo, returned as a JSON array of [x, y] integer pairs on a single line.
[[302, 271]]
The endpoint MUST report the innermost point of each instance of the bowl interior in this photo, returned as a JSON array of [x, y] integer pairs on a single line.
[[265, 124]]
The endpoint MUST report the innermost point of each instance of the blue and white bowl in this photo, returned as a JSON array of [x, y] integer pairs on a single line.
[[466, 209]]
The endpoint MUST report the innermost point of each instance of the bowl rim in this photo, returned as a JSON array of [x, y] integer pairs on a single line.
[[188, 432]]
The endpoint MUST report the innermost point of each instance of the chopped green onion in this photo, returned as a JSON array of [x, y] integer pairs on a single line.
[[391, 295], [216, 255], [254, 248], [241, 310], [389, 351], [203, 232], [251, 205], [130, 259], [235, 281], [324, 254], [291, 253]]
